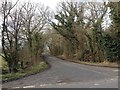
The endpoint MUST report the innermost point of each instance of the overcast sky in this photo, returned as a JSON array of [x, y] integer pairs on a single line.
[[51, 3]]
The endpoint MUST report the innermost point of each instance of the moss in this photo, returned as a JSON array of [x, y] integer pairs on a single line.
[[12, 76], [34, 69], [3, 65]]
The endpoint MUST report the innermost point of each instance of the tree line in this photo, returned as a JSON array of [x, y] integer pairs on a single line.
[[22, 39], [84, 36], [75, 31]]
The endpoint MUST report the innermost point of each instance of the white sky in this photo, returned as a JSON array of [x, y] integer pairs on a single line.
[[51, 3]]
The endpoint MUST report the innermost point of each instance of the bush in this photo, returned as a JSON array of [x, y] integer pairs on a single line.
[[32, 70]]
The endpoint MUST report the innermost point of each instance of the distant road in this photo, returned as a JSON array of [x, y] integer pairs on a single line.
[[64, 74]]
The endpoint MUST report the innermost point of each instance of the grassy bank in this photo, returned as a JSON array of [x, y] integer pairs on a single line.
[[3, 64], [102, 64], [32, 70], [40, 66]]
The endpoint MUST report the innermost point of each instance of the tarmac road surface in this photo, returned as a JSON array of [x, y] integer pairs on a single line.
[[64, 74]]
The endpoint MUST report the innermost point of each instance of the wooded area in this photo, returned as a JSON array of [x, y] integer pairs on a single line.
[[75, 31], [84, 36]]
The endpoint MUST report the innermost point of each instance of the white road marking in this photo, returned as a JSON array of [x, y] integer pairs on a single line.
[[42, 85], [28, 86], [111, 79], [16, 87], [45, 84], [115, 70], [61, 83], [96, 84]]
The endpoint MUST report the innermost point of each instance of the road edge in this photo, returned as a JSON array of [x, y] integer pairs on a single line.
[[48, 67], [89, 64]]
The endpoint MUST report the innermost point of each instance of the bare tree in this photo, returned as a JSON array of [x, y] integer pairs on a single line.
[[7, 41], [34, 19], [80, 24], [95, 15], [15, 26]]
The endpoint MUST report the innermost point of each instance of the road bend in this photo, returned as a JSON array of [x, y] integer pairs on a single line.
[[64, 74]]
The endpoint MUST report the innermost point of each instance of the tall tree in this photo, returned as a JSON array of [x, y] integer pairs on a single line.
[[69, 17], [113, 38], [97, 13], [34, 20], [7, 39]]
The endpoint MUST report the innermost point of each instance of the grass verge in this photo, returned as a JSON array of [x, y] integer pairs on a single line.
[[33, 70], [3, 64], [102, 64]]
